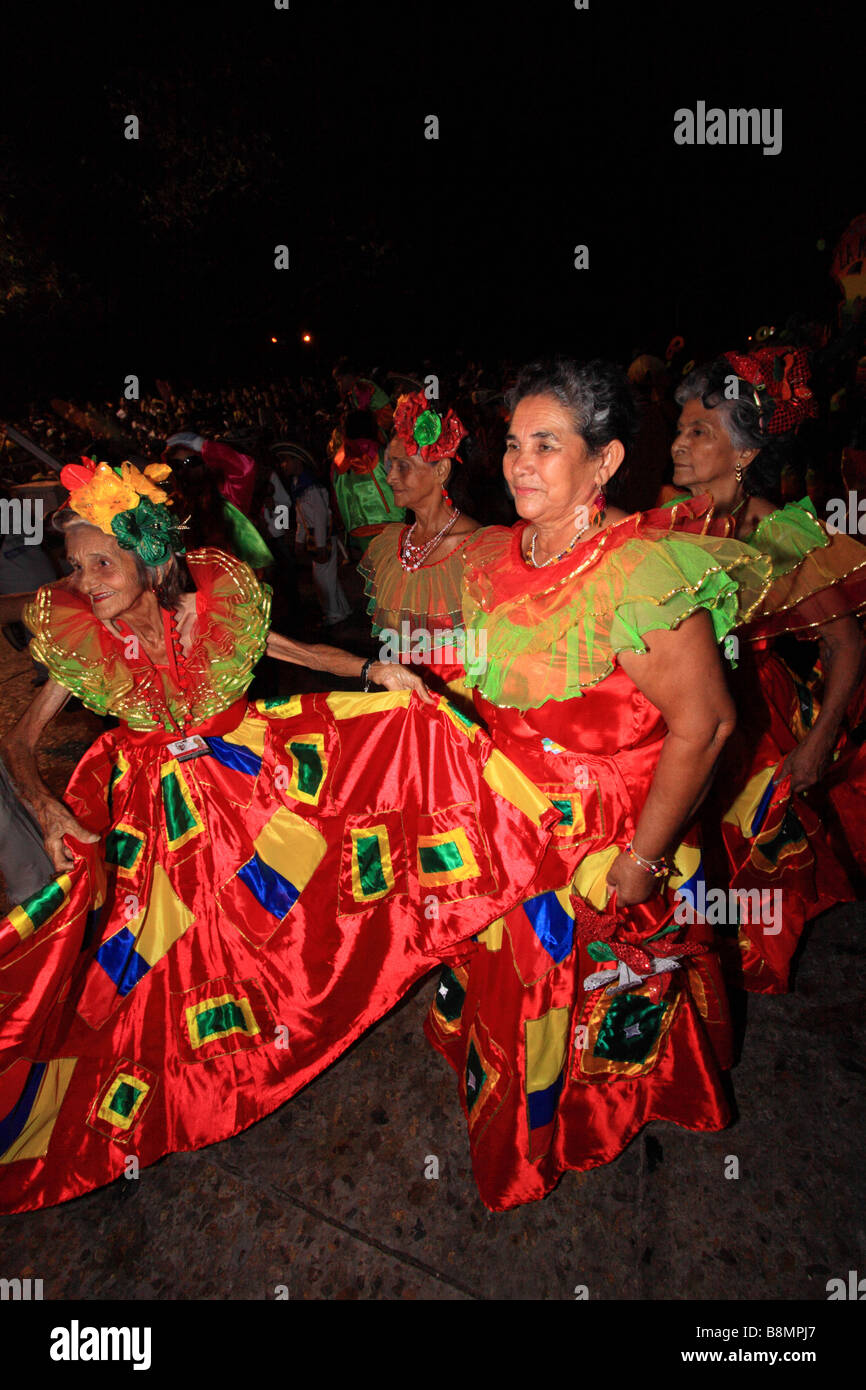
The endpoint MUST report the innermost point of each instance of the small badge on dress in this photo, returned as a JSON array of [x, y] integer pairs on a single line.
[[185, 748]]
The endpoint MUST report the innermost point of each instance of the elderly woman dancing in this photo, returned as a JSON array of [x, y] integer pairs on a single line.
[[789, 808], [588, 1011], [241, 889]]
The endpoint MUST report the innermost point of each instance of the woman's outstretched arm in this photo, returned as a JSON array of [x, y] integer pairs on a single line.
[[319, 657]]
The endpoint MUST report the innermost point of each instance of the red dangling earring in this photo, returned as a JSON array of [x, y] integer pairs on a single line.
[[445, 498], [597, 511]]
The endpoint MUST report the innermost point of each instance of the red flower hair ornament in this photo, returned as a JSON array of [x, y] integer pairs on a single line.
[[424, 431], [780, 379]]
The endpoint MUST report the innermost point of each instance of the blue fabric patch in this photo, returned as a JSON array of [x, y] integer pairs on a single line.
[[235, 756], [690, 889], [764, 806], [275, 894], [121, 962], [12, 1124], [551, 924], [542, 1104]]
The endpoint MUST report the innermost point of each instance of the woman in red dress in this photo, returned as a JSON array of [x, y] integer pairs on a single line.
[[588, 1010], [788, 811], [242, 889], [413, 574]]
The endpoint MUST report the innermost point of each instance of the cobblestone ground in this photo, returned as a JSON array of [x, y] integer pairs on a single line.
[[328, 1196]]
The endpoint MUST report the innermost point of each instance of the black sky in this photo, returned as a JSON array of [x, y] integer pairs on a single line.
[[556, 128]]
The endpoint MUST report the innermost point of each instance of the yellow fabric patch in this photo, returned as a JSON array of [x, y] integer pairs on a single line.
[[285, 709], [504, 778], [345, 705], [23, 924], [250, 733], [577, 825], [294, 788], [590, 877], [367, 832], [468, 869], [173, 766], [491, 937], [289, 840], [546, 1043], [462, 702], [742, 811], [687, 859], [249, 1029], [112, 1117], [35, 1137], [162, 922]]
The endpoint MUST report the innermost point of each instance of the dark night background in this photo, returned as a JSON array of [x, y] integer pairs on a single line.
[[306, 127]]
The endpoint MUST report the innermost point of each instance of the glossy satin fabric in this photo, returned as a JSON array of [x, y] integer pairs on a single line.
[[554, 1075], [242, 919], [758, 835]]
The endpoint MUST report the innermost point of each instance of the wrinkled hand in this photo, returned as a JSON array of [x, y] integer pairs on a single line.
[[806, 764], [396, 677], [632, 883], [57, 821]]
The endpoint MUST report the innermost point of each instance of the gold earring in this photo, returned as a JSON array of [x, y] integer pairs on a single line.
[[738, 472]]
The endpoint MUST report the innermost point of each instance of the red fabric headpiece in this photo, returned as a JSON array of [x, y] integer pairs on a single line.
[[780, 375], [424, 431]]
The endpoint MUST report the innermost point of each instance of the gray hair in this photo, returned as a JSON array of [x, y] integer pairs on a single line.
[[165, 580], [740, 417]]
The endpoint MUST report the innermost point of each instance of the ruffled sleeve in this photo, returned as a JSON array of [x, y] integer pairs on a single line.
[[72, 643], [234, 614], [551, 634], [816, 577], [233, 618]]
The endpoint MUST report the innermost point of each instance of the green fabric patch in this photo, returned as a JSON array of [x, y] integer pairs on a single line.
[[475, 1077], [220, 1020], [178, 818], [115, 777], [599, 950], [440, 859], [450, 996], [370, 865], [310, 771], [790, 832], [565, 809], [43, 904], [123, 848], [463, 718], [629, 1030], [124, 1099]]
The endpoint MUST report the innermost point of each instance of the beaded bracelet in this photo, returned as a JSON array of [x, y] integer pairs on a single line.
[[365, 674], [657, 867]]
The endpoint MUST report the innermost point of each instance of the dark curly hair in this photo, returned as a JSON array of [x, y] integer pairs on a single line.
[[742, 421], [597, 396]]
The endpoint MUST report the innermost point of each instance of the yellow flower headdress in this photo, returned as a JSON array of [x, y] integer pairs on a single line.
[[126, 503]]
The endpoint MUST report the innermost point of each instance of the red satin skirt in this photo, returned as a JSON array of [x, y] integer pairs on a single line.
[[244, 916], [559, 1067], [762, 840]]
